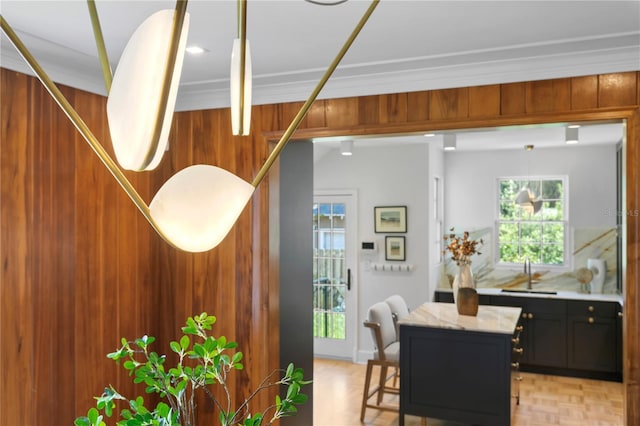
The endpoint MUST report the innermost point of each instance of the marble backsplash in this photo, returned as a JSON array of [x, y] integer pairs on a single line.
[[588, 243]]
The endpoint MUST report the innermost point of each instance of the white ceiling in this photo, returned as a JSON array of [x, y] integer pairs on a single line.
[[406, 45], [548, 136]]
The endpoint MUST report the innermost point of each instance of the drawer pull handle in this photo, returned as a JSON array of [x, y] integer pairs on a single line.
[[591, 320], [518, 350], [515, 341], [530, 316], [520, 328], [515, 365], [591, 308], [620, 314]]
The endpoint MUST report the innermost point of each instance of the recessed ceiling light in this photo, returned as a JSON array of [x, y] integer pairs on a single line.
[[195, 50], [429, 135]]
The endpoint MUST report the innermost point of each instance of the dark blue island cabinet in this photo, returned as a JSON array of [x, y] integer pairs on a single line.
[[459, 368]]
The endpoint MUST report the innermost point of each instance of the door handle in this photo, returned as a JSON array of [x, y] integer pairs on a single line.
[[348, 279]]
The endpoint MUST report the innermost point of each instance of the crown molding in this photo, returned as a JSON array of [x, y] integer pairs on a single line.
[[589, 56], [216, 94]]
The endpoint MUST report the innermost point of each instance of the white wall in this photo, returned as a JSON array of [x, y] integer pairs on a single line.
[[384, 176], [471, 191]]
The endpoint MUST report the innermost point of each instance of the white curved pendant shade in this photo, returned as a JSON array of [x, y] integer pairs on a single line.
[[235, 89], [135, 95], [197, 206], [525, 199]]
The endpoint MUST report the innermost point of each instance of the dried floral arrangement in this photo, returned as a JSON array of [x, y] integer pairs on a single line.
[[461, 247]]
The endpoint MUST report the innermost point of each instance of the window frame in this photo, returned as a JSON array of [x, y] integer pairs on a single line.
[[567, 264]]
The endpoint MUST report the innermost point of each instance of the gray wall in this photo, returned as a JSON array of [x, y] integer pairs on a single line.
[[296, 251]]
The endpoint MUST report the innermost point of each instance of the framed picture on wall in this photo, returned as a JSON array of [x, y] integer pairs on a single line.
[[390, 219], [394, 248]]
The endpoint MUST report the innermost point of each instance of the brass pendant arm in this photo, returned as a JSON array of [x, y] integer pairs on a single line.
[[305, 108], [242, 29], [102, 50], [178, 21], [82, 127]]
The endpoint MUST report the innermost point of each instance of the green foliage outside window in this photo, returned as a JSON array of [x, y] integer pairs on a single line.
[[539, 236]]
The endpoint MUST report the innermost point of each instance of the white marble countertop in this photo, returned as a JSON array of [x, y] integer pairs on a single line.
[[568, 295], [491, 319]]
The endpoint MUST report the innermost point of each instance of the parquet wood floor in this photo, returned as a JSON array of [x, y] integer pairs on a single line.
[[544, 400]]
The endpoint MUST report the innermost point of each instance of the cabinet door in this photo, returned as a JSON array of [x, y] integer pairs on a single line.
[[593, 343], [546, 339], [547, 325]]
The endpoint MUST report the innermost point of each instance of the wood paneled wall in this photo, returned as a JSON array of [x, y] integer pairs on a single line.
[[81, 267]]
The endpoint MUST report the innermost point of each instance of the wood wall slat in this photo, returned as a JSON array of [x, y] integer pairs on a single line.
[[484, 101], [342, 112], [548, 96], [584, 92], [63, 257], [315, 116], [104, 263], [394, 108], [15, 289], [513, 98], [618, 89], [418, 106], [449, 104], [289, 111], [95, 306], [42, 242], [368, 107]]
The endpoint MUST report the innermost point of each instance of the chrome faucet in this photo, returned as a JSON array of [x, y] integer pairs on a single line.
[[527, 270]]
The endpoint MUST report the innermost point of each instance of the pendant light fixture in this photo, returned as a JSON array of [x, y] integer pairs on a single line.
[[142, 96], [102, 50], [195, 209], [241, 76], [525, 198]]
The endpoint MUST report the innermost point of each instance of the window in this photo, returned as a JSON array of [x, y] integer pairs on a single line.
[[541, 236], [329, 271]]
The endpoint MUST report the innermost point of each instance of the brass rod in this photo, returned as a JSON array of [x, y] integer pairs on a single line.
[[238, 15], [102, 50], [178, 21], [305, 108], [82, 127], [243, 55]]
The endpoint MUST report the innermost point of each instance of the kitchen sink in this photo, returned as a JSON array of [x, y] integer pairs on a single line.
[[522, 290]]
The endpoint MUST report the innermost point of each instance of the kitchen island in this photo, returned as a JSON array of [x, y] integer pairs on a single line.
[[458, 367]]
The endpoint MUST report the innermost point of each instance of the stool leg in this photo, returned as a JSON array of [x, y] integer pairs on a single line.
[[365, 393], [383, 383]]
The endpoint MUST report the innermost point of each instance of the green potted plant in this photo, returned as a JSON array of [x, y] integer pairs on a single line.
[[202, 361]]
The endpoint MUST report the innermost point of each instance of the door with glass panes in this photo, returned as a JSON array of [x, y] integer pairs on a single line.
[[334, 294]]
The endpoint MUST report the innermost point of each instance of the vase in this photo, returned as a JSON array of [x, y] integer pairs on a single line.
[[465, 295]]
